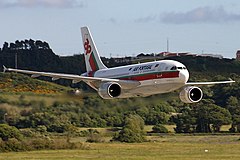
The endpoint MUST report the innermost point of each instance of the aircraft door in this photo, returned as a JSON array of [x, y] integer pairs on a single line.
[[160, 69]]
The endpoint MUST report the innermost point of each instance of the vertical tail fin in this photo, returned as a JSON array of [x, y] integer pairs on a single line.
[[92, 57]]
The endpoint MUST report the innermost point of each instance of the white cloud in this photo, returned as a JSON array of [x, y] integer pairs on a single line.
[[147, 19], [200, 15], [41, 3], [197, 15]]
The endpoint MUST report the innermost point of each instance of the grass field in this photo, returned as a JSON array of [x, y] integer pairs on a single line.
[[164, 147]]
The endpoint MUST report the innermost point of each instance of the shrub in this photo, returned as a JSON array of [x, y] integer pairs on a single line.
[[7, 132], [86, 133], [12, 145], [3, 100], [159, 128], [59, 128], [132, 130], [41, 129], [27, 132], [40, 143], [130, 136], [94, 138]]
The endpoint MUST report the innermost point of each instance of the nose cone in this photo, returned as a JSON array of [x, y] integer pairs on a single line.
[[184, 76]]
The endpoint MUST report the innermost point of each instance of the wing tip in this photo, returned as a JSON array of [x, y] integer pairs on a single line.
[[4, 69]]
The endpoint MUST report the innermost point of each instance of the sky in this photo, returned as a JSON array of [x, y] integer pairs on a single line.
[[125, 27]]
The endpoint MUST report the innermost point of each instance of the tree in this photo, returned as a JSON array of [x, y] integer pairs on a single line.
[[185, 122], [234, 108], [12, 46], [156, 114], [19, 45], [132, 130], [155, 117], [39, 44], [7, 132], [220, 116], [113, 119], [27, 45], [207, 113], [3, 114], [46, 45], [204, 117], [32, 44], [23, 44], [5, 46]]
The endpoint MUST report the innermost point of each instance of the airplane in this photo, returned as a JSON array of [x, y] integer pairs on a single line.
[[137, 80]]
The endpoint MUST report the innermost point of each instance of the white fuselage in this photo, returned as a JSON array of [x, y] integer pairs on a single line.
[[155, 77]]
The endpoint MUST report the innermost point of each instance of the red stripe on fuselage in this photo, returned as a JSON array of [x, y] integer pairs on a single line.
[[143, 77]]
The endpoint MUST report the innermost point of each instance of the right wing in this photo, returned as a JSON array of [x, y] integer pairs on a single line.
[[209, 83], [127, 84]]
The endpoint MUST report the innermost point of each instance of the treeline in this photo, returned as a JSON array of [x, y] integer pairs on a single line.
[[215, 110], [29, 54], [26, 45]]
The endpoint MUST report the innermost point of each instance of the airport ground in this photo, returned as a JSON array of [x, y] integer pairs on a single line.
[[165, 147]]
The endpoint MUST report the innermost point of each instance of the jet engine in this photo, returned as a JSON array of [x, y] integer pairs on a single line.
[[191, 94], [109, 90]]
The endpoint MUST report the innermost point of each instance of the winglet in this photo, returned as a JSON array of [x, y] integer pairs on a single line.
[[4, 69], [231, 80]]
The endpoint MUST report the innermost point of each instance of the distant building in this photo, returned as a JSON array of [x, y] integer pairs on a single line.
[[169, 54], [211, 55], [163, 55], [238, 55]]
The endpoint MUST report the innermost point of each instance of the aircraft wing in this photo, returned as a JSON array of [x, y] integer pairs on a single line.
[[75, 78], [209, 83]]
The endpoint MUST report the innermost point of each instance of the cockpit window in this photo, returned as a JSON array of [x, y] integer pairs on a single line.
[[180, 68], [174, 68]]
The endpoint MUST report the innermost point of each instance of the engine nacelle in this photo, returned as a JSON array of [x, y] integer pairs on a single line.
[[109, 90], [191, 94]]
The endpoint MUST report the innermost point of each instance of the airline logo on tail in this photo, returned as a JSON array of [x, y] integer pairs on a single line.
[[89, 52], [87, 47]]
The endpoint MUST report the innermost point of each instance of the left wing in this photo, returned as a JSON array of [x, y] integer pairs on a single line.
[[75, 78], [209, 83]]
